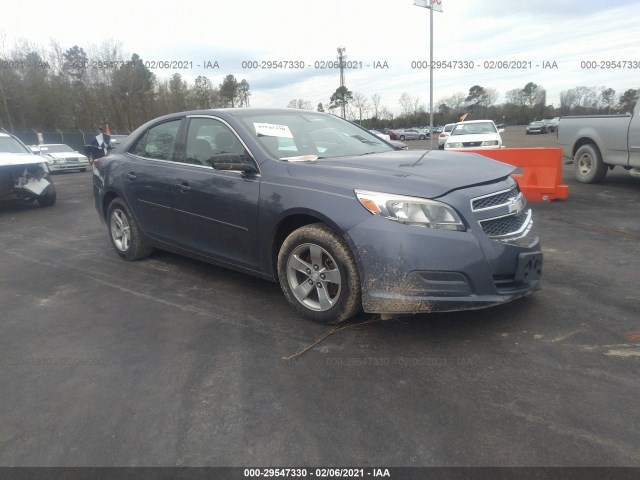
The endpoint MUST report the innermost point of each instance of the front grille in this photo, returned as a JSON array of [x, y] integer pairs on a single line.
[[471, 144], [504, 226], [501, 198]]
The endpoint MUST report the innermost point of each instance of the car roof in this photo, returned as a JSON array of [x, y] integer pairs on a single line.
[[476, 121]]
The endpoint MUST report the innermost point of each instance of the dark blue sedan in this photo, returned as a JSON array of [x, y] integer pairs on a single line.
[[339, 217]]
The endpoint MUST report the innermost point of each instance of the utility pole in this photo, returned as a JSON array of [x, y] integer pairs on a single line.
[[341, 59], [431, 5]]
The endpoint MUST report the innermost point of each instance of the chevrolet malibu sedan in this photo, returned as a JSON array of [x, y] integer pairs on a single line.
[[334, 214], [474, 134]]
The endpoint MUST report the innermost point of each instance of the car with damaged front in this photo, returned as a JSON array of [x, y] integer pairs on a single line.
[[342, 220], [23, 175]]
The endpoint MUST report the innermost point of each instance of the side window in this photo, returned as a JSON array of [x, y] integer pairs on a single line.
[[158, 142], [208, 138]]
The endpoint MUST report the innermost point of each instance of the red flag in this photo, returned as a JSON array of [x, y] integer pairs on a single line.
[[463, 116]]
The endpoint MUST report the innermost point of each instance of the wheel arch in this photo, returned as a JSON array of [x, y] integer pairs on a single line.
[[290, 222], [106, 200], [584, 141]]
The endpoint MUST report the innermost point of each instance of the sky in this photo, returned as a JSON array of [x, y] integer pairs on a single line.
[[391, 34]]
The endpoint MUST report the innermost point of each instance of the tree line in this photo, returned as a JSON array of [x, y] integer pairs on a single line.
[[52, 89], [522, 105], [58, 89]]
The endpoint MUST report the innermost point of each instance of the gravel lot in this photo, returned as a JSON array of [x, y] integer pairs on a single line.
[[173, 362]]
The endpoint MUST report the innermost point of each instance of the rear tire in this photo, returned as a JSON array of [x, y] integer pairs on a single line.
[[588, 165], [124, 232], [401, 138], [318, 275]]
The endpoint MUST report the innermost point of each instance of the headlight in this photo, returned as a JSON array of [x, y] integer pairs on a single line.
[[488, 143], [453, 145], [411, 210]]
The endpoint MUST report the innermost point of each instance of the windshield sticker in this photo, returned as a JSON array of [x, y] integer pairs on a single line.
[[272, 130], [301, 158]]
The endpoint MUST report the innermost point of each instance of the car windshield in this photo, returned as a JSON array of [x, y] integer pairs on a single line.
[[56, 148], [300, 136], [11, 145], [474, 128]]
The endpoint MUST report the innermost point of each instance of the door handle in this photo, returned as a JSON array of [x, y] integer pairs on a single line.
[[131, 175], [184, 187]]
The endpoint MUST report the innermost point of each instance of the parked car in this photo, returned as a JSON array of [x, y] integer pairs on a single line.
[[23, 175], [598, 143], [410, 134], [383, 136], [442, 137], [501, 125], [340, 219], [61, 157], [552, 123], [397, 144], [537, 126], [474, 134]]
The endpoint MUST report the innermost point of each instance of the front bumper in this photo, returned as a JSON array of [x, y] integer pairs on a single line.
[[62, 167], [412, 269]]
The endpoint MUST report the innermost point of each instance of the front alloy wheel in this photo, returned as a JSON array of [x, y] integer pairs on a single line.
[[313, 277], [318, 274]]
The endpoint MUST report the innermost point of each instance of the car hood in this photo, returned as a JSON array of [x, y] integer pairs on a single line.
[[477, 137], [66, 155], [12, 159], [427, 174]]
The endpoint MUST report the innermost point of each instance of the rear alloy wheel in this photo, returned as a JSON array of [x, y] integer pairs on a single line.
[[124, 232], [319, 275], [402, 138], [588, 165]]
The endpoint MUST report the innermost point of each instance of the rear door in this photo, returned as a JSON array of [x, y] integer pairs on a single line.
[[149, 180]]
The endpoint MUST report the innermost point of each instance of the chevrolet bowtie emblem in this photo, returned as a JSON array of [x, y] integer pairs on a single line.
[[516, 204]]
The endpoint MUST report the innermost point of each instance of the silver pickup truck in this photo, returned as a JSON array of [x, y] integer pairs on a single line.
[[597, 143]]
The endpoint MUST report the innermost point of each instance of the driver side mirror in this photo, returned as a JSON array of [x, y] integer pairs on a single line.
[[233, 162]]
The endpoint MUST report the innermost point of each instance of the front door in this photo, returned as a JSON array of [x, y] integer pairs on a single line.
[[218, 209]]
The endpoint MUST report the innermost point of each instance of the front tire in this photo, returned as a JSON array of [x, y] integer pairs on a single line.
[[318, 275], [401, 138], [588, 165], [47, 200], [124, 232]]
